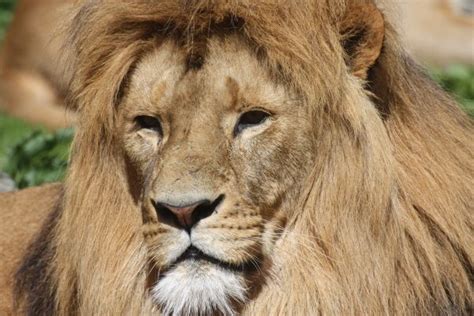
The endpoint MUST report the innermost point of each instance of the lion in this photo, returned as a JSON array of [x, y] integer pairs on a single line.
[[33, 71], [250, 158]]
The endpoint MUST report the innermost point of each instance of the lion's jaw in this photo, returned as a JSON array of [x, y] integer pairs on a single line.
[[249, 174]]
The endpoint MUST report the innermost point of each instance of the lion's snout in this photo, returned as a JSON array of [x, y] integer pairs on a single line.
[[186, 215]]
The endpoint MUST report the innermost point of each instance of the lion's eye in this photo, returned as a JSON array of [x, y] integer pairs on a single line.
[[250, 119], [149, 123]]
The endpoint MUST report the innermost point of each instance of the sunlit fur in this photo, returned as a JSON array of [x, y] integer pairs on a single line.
[[378, 220]]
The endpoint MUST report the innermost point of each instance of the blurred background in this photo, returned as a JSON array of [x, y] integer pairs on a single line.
[[34, 144]]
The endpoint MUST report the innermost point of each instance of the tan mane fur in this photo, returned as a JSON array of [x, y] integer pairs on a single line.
[[385, 225]]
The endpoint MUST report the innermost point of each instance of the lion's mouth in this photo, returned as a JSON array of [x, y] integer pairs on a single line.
[[195, 254]]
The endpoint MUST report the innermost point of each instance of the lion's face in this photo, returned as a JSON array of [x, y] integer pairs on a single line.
[[219, 151]]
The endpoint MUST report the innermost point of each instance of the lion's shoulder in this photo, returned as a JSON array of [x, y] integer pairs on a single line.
[[22, 214]]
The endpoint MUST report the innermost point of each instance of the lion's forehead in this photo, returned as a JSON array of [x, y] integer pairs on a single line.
[[163, 81]]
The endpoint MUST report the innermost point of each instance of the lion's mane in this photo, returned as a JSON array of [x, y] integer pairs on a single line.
[[386, 223]]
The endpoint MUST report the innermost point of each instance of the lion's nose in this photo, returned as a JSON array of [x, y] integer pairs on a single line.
[[186, 216]]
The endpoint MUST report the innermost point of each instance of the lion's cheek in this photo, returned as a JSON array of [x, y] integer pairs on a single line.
[[277, 169], [236, 243], [140, 152]]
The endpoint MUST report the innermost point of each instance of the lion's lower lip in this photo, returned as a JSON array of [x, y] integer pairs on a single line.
[[193, 253]]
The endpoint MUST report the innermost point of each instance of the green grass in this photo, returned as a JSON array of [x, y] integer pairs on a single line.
[[31, 154], [40, 157], [6, 7], [12, 131], [459, 81]]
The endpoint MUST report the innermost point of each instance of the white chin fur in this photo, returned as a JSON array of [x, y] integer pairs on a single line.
[[198, 288]]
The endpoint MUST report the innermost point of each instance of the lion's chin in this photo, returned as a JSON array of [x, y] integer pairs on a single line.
[[199, 287]]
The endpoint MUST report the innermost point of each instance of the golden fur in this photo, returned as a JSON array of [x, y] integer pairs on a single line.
[[32, 72], [355, 197]]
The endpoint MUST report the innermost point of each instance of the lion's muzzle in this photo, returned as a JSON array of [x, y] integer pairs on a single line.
[[186, 215]]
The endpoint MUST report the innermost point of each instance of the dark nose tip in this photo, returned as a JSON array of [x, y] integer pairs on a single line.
[[186, 216]]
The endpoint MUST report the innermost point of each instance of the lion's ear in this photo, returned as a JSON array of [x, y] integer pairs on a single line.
[[363, 31]]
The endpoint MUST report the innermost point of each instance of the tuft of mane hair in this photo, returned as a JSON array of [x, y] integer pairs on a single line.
[[397, 238]]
